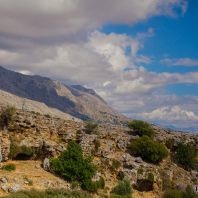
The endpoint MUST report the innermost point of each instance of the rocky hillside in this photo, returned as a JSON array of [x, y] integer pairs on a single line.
[[71, 99], [8, 99], [47, 137]]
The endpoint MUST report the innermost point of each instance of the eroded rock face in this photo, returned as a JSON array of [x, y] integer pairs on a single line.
[[4, 146]]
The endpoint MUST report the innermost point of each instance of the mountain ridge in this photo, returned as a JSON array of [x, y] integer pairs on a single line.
[[75, 100]]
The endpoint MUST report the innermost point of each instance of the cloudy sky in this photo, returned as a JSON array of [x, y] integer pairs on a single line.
[[140, 56]]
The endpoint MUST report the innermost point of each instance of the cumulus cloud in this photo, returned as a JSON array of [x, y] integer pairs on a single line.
[[174, 116], [174, 113], [62, 39], [41, 18], [187, 62]]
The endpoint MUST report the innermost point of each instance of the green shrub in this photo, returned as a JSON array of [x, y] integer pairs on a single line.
[[91, 127], [9, 167], [186, 156], [151, 177], [72, 166], [123, 188], [26, 150], [148, 149], [50, 193], [141, 128], [7, 116], [14, 150], [93, 186]]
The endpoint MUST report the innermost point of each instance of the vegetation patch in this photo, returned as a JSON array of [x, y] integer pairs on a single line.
[[7, 116], [186, 156], [72, 166], [141, 128], [148, 149], [9, 167], [123, 189], [91, 128]]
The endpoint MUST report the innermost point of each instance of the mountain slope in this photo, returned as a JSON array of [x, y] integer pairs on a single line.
[[72, 99], [32, 106]]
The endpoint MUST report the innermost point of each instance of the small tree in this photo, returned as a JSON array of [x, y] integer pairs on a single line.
[[72, 166], [148, 149], [7, 116], [141, 128], [186, 156]]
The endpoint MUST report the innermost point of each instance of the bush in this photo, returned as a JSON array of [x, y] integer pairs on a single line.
[[50, 193], [7, 116], [141, 128], [186, 156], [9, 167], [91, 128], [148, 149], [72, 166], [151, 177], [123, 188], [93, 186]]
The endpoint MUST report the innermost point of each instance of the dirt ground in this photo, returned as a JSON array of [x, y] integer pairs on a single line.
[[29, 174]]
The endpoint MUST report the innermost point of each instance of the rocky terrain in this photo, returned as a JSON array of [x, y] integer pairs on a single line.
[[48, 136], [75, 100]]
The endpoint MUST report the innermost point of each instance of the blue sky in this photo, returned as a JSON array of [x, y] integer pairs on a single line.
[[140, 56], [174, 37]]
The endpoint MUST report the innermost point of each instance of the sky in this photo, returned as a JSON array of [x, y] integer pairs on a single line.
[[140, 56]]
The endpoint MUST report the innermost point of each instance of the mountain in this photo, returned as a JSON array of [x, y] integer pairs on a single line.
[[75, 100]]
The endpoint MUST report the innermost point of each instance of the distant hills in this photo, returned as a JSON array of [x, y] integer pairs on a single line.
[[75, 100]]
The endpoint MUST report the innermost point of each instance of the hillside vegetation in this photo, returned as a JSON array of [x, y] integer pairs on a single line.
[[104, 160]]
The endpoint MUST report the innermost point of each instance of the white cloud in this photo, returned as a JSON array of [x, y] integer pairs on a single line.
[[41, 18], [62, 39], [187, 62], [174, 113]]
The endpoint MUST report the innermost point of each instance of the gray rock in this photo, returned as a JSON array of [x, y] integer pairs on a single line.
[[14, 188], [3, 180], [138, 160], [1, 157], [4, 187], [46, 164]]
